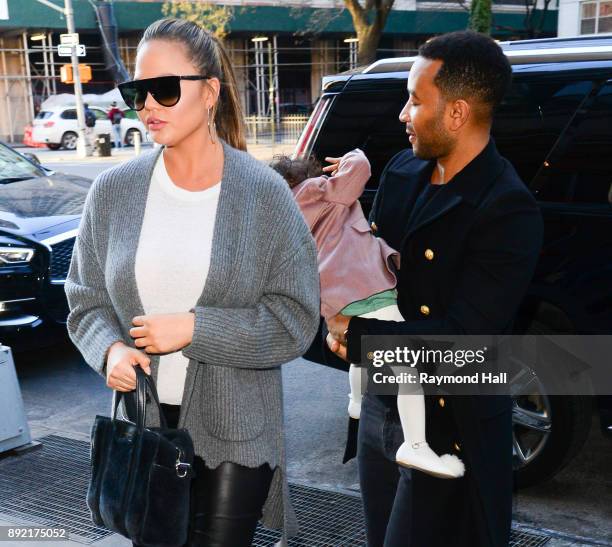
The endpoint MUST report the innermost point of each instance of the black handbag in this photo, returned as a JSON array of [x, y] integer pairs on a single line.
[[141, 477]]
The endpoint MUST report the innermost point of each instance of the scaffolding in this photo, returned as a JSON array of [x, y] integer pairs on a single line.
[[30, 74]]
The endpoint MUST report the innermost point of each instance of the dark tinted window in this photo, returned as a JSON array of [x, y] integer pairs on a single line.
[[69, 114], [43, 115], [368, 120], [531, 118], [582, 171]]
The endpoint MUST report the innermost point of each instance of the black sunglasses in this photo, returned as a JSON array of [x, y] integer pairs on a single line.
[[166, 90]]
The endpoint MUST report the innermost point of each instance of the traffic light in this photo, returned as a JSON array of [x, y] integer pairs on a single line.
[[66, 73]]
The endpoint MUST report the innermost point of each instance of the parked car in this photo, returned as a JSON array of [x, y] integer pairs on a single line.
[[40, 212], [130, 126], [555, 126], [57, 127]]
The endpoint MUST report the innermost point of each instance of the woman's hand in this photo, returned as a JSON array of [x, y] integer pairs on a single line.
[[164, 332], [120, 362]]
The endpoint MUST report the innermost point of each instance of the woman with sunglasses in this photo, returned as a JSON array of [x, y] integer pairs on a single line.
[[194, 263]]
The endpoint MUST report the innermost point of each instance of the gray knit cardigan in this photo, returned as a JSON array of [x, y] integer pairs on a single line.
[[259, 309]]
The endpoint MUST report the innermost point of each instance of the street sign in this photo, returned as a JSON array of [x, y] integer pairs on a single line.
[[70, 39], [64, 50]]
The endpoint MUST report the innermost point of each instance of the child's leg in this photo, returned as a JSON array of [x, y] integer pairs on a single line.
[[355, 395], [414, 451], [411, 409], [388, 313]]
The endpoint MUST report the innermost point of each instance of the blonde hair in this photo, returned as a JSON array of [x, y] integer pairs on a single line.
[[210, 57]]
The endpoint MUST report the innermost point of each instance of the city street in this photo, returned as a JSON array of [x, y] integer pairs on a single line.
[[468, 192], [62, 396], [67, 161]]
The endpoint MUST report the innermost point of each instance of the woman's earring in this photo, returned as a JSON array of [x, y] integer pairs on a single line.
[[212, 128]]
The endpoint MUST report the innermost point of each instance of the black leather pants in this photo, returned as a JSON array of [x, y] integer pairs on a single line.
[[226, 502]]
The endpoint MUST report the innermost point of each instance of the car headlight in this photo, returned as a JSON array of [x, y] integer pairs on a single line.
[[15, 255]]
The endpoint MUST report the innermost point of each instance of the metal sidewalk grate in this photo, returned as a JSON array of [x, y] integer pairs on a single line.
[[314, 509], [314, 506], [48, 487], [526, 539]]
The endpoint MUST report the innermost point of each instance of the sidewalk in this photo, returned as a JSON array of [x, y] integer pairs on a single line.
[[62, 395], [115, 540], [324, 513]]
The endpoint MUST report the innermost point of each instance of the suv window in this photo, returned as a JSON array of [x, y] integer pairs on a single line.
[[583, 172], [44, 114], [532, 116], [69, 114], [368, 120], [534, 113]]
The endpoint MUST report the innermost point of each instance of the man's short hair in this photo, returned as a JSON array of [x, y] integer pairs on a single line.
[[473, 67]]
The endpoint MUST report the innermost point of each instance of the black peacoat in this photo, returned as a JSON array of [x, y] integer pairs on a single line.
[[467, 258]]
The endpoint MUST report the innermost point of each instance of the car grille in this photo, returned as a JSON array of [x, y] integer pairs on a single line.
[[60, 259]]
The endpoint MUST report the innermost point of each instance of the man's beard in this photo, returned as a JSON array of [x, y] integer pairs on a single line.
[[436, 143]]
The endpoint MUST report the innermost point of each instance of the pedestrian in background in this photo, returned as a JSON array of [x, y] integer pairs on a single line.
[[90, 124], [115, 115]]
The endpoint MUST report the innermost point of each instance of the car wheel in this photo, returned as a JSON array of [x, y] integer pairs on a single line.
[[129, 137], [53, 146], [547, 430], [69, 140]]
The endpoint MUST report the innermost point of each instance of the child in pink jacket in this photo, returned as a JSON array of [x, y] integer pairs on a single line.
[[357, 273]]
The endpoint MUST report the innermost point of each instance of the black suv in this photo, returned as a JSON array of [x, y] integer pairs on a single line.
[[555, 126], [40, 212]]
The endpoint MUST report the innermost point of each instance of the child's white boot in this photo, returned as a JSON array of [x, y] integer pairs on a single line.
[[420, 456]]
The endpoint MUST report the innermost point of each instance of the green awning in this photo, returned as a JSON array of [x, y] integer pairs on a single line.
[[135, 16]]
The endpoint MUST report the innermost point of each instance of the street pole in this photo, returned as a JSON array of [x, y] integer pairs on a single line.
[[271, 94], [83, 148]]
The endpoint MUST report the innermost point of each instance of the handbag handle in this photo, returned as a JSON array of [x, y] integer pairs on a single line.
[[143, 381]]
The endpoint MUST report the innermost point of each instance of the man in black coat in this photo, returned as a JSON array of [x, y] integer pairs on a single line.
[[469, 234]]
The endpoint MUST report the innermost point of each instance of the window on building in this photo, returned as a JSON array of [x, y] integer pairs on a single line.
[[596, 17]]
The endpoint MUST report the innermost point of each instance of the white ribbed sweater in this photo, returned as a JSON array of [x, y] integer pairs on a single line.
[[172, 261]]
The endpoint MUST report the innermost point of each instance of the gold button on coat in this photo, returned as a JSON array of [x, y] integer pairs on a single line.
[[373, 226], [425, 310], [429, 254], [441, 402], [457, 447]]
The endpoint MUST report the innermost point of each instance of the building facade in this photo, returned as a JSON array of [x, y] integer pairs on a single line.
[[286, 45], [585, 17]]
